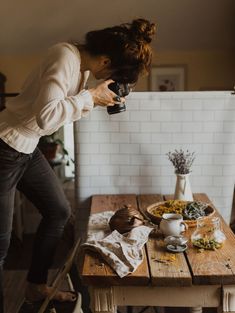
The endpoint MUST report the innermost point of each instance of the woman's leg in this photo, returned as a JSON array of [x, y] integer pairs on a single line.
[[12, 166], [42, 187], [6, 214]]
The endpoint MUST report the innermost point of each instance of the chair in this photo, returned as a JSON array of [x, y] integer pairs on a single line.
[[62, 274]]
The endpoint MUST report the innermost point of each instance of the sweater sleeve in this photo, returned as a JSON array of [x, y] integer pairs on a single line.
[[54, 107]]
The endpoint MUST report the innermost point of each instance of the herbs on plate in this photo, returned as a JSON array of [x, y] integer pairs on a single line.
[[170, 206], [194, 210], [191, 210]]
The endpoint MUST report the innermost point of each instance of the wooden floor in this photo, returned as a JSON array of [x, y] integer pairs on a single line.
[[15, 271], [14, 284]]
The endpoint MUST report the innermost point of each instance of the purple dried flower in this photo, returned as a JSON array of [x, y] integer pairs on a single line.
[[181, 160]]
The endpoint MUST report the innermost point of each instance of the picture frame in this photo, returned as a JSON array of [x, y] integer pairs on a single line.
[[167, 78]]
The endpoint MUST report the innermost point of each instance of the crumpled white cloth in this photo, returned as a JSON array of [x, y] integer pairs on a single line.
[[123, 252]]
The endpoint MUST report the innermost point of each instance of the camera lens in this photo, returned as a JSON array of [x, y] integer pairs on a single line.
[[121, 90], [116, 108]]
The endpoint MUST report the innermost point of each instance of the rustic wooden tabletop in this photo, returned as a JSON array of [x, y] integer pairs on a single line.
[[203, 276], [189, 268]]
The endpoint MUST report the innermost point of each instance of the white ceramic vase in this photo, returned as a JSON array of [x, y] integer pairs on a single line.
[[183, 188]]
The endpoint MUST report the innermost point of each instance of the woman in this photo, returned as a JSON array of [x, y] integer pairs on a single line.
[[52, 96]]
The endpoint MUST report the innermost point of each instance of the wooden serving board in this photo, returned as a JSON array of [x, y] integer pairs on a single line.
[[95, 270]]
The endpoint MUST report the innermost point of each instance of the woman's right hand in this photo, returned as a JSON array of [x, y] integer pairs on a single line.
[[103, 96]]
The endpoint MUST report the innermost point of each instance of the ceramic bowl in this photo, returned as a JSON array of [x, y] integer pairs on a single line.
[[155, 212]]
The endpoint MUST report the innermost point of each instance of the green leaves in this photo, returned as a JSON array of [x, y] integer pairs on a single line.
[[53, 139]]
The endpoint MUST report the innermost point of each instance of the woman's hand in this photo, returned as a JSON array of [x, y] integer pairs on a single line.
[[103, 96]]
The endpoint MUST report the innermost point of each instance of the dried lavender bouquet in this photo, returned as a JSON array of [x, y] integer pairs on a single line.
[[181, 160]]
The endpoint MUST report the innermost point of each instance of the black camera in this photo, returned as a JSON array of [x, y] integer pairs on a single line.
[[121, 90]]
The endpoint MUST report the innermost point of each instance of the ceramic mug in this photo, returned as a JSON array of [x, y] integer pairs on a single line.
[[172, 224]]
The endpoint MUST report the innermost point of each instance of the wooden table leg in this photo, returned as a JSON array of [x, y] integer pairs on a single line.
[[102, 300]]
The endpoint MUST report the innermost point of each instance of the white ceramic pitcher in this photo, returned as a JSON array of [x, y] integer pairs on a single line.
[[183, 188]]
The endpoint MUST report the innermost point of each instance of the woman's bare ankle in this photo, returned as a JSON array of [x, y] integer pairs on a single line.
[[36, 292]]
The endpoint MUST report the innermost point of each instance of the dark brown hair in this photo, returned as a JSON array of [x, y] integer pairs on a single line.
[[127, 46]]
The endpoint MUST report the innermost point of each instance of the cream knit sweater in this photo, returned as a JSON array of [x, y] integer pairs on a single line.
[[51, 96]]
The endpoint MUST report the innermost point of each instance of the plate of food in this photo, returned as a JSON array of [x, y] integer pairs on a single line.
[[190, 210]]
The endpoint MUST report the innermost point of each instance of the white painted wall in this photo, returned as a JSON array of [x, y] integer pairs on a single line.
[[126, 152]]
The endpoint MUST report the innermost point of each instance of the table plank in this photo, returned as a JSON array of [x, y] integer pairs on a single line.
[[100, 203], [175, 273], [95, 270], [212, 267]]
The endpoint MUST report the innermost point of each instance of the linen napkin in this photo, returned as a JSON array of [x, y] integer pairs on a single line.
[[123, 252]]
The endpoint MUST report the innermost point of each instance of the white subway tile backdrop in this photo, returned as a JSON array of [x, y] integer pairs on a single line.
[[126, 152]]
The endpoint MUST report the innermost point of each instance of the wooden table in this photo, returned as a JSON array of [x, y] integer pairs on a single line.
[[193, 279]]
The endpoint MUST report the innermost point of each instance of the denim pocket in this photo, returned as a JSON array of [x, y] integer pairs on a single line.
[[7, 153]]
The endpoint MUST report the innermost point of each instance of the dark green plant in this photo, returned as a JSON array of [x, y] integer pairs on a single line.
[[53, 139]]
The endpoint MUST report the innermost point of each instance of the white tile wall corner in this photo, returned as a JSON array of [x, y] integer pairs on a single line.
[[126, 152]]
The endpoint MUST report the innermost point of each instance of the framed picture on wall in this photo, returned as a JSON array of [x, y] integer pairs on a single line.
[[167, 78]]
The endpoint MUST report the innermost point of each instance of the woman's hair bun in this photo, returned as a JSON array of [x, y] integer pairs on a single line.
[[142, 30], [128, 47]]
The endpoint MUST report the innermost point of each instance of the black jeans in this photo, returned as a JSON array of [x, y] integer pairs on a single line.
[[33, 176]]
